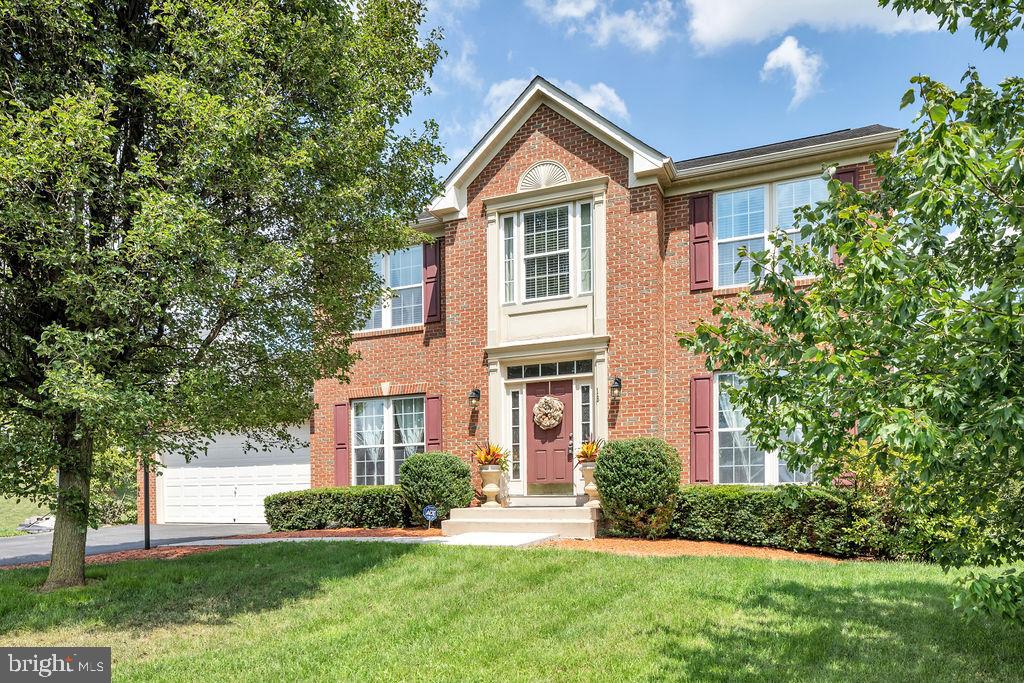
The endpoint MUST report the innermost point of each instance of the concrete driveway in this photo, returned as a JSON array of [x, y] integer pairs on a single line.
[[36, 547]]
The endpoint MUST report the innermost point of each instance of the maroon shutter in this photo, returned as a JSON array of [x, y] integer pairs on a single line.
[[433, 423], [848, 176], [700, 243], [342, 465], [431, 290], [701, 419]]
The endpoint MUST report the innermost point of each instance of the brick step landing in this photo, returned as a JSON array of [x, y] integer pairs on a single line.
[[565, 522]]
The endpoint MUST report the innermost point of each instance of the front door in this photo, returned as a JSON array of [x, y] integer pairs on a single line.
[[549, 451]]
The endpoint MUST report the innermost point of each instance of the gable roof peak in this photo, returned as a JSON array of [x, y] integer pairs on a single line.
[[646, 164]]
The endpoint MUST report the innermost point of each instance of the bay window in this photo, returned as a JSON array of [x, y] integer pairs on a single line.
[[402, 273], [385, 432], [745, 217], [737, 459]]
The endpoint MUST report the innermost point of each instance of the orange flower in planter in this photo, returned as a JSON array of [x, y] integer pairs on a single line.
[[491, 454], [589, 451]]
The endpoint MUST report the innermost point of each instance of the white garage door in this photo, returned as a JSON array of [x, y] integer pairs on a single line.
[[229, 484]]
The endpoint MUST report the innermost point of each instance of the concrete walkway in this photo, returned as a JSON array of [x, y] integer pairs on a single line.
[[485, 538], [109, 539]]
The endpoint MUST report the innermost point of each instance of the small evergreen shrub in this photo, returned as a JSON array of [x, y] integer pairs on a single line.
[[639, 482], [439, 479], [331, 508]]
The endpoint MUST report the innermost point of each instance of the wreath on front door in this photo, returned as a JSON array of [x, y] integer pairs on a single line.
[[548, 412]]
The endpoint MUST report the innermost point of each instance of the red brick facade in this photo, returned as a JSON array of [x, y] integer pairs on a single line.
[[643, 282], [648, 302]]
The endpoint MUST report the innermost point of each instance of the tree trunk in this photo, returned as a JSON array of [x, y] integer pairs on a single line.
[[67, 554]]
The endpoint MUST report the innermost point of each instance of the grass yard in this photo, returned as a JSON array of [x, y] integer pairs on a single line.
[[375, 611], [13, 513]]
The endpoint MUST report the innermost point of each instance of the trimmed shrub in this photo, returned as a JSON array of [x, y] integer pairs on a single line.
[[804, 518], [639, 482], [438, 478], [331, 508]]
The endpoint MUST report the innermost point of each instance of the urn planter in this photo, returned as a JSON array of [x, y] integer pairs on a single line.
[[491, 476], [589, 485]]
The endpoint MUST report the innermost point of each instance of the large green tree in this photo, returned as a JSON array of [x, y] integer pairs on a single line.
[[189, 194], [912, 341]]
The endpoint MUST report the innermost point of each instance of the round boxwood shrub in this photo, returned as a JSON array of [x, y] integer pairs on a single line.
[[439, 479], [639, 481]]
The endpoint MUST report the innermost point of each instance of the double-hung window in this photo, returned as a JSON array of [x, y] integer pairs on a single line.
[[792, 195], [745, 217], [385, 432], [739, 224], [402, 273], [737, 459], [547, 253]]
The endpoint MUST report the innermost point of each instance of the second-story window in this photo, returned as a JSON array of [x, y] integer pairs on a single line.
[[547, 253], [402, 273], [739, 224], [744, 218]]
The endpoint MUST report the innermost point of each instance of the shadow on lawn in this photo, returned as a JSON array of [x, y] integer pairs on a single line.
[[887, 630], [207, 588]]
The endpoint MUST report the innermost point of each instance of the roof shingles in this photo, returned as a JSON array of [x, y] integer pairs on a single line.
[[785, 146]]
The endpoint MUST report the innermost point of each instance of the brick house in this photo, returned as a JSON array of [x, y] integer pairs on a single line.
[[566, 255]]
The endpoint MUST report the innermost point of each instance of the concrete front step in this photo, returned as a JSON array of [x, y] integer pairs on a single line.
[[573, 514], [565, 522], [545, 501]]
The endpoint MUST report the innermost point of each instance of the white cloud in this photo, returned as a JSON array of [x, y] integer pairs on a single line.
[[463, 68], [642, 28], [559, 10], [599, 97], [802, 64], [717, 23], [499, 97]]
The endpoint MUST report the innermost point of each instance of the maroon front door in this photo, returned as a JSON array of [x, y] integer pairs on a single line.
[[549, 451]]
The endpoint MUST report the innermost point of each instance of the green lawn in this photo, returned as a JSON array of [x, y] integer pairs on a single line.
[[374, 611], [13, 513]]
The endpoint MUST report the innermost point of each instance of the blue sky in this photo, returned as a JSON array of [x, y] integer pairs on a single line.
[[694, 77]]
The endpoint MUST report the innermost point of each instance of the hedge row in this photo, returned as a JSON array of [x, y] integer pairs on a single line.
[[805, 518], [332, 508], [641, 498]]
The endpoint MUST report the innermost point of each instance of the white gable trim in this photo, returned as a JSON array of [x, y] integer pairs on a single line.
[[646, 164]]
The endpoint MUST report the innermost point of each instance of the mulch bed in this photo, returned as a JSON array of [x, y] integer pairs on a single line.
[[347, 533], [677, 548], [618, 546], [159, 553], [173, 553]]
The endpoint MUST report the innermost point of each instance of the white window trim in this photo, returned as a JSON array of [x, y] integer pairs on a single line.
[[517, 400], [770, 218], [771, 458], [385, 304], [389, 435], [574, 251]]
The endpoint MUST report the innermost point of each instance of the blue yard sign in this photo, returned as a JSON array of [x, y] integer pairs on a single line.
[[430, 513]]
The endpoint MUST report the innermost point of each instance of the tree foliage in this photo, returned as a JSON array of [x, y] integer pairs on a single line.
[[914, 345], [189, 194], [991, 20]]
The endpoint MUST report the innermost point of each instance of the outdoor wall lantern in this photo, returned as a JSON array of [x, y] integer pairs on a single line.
[[616, 388], [474, 398]]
